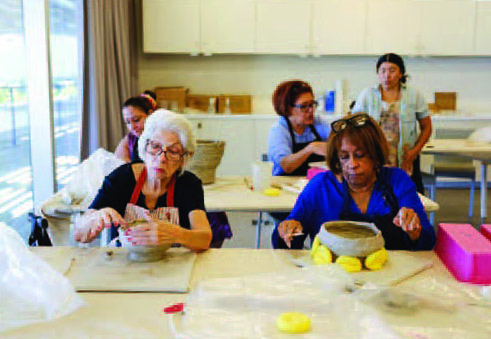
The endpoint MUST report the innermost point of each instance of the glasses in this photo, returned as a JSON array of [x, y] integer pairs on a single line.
[[155, 149], [357, 120], [305, 107]]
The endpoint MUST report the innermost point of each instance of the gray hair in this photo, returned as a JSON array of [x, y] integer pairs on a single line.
[[163, 120]]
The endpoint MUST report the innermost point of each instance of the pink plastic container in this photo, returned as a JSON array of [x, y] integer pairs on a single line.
[[486, 231], [312, 172], [465, 252]]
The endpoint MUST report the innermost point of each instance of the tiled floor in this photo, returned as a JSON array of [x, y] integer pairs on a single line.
[[454, 204]]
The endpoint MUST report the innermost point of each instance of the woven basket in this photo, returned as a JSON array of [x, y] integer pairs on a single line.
[[206, 159], [356, 239]]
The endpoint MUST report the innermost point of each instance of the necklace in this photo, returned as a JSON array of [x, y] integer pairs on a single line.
[[366, 189]]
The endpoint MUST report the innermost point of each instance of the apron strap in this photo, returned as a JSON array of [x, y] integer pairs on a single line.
[[139, 185], [170, 191]]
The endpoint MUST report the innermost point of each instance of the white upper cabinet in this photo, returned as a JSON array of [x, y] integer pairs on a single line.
[[338, 26], [391, 27], [171, 26], [283, 26], [446, 27], [227, 26], [483, 28], [318, 27]]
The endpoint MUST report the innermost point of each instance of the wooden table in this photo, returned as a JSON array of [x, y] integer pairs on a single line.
[[231, 194], [139, 315], [480, 151]]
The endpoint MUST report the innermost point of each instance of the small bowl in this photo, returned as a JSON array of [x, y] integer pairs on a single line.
[[143, 253], [352, 238]]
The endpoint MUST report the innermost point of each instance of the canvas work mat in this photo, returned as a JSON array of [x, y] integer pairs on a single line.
[[91, 269], [400, 266]]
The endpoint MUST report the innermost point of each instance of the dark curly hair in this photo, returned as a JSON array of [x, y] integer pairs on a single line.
[[142, 102]]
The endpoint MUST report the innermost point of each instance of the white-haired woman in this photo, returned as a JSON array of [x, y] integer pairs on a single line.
[[157, 190]]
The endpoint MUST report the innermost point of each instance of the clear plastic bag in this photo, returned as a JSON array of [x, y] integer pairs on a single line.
[[431, 308], [88, 178], [248, 307], [31, 291]]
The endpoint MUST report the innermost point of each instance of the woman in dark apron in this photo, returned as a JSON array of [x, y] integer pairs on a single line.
[[297, 138], [359, 188]]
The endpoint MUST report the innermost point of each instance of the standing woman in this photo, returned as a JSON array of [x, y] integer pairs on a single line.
[[399, 109], [135, 112], [297, 138]]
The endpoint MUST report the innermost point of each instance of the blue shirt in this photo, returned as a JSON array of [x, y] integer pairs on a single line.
[[280, 142], [322, 201]]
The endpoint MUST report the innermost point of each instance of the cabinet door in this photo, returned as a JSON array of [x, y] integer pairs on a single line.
[[446, 26], [171, 26], [283, 26], [338, 26], [391, 27], [262, 127], [483, 28], [227, 26]]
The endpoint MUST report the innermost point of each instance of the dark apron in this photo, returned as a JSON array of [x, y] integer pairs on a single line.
[[297, 147], [394, 236], [299, 171], [416, 177]]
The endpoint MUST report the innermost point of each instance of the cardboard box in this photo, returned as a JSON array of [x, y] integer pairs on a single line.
[[446, 100], [172, 98], [239, 104], [201, 102]]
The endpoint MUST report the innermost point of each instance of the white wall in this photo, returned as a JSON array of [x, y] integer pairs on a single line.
[[259, 75]]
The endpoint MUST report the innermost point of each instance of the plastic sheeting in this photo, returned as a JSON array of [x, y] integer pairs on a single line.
[[248, 307], [31, 291]]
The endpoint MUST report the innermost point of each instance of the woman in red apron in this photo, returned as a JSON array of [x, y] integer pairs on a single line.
[[157, 190]]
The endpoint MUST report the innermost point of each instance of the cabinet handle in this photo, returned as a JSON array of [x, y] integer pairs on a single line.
[[199, 125]]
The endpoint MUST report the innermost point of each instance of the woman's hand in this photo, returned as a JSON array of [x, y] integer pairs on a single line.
[[91, 224], [408, 158], [318, 147], [287, 229], [155, 232], [408, 220]]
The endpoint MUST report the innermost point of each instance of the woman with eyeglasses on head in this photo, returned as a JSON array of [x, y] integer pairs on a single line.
[[359, 187], [135, 111], [157, 190], [298, 137], [399, 109]]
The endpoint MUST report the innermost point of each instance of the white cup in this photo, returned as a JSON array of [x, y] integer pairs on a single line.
[[262, 175]]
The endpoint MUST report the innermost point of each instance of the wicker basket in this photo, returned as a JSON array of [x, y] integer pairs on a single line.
[[356, 239], [206, 159]]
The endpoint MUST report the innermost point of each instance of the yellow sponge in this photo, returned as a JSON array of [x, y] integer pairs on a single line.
[[349, 264], [376, 260], [322, 256], [293, 322], [315, 246], [272, 191]]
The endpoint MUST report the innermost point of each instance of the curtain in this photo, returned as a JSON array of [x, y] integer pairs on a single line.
[[110, 71]]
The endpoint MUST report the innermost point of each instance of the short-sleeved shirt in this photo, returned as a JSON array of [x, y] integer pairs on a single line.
[[322, 201], [280, 143], [412, 108], [118, 187]]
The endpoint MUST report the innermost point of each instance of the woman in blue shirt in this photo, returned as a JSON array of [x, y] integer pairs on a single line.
[[359, 188], [298, 137], [399, 109]]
